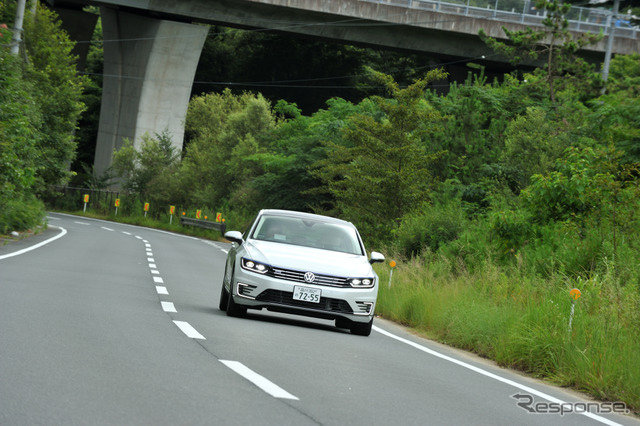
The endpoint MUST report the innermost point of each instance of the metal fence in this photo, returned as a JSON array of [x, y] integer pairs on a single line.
[[72, 198], [581, 19]]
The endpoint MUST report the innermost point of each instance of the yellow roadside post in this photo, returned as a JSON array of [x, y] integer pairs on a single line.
[[393, 265], [575, 294]]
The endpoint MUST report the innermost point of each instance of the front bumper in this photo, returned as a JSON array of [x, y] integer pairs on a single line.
[[255, 291]]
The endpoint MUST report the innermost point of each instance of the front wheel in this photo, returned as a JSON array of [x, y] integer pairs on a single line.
[[361, 329], [224, 299], [224, 294], [233, 309]]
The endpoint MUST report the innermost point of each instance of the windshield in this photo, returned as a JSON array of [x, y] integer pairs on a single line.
[[308, 233]]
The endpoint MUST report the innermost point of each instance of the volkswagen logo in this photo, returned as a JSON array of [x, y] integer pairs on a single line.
[[309, 277]]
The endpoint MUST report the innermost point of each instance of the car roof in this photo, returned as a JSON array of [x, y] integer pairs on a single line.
[[302, 215]]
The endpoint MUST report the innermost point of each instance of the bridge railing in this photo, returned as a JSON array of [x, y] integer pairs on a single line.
[[580, 19]]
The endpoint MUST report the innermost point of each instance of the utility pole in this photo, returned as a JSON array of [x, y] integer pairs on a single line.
[[607, 55], [17, 28]]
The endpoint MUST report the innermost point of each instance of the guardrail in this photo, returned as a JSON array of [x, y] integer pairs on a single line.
[[207, 224], [581, 19]]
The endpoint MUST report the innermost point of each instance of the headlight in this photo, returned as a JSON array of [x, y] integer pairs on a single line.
[[361, 282], [253, 266]]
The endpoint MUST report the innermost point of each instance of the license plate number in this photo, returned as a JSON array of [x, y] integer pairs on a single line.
[[307, 294]]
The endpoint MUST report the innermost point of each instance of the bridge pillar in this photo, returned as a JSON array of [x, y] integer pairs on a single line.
[[149, 66]]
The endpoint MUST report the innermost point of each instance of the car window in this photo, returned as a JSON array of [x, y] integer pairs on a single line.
[[308, 233]]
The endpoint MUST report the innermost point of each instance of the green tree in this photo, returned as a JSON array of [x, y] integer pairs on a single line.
[[533, 143], [225, 133], [472, 135], [616, 115], [150, 171], [21, 127], [381, 171], [295, 145], [57, 89], [555, 46], [87, 132]]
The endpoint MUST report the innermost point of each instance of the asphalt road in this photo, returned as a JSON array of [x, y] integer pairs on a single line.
[[104, 323]]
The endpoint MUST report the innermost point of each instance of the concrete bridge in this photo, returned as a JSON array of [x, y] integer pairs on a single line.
[[152, 47]]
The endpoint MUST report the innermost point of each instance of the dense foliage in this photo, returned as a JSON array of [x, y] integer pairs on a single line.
[[39, 107], [486, 170]]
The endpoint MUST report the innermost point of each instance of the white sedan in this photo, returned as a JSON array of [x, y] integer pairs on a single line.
[[304, 264]]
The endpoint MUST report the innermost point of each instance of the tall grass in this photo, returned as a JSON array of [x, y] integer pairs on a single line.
[[522, 321]]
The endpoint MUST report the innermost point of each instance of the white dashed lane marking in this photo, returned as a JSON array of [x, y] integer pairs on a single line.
[[168, 307], [258, 380], [188, 330]]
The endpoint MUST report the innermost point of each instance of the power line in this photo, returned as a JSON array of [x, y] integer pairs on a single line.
[[286, 83]]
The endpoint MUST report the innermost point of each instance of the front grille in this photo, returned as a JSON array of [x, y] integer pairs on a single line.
[[298, 276], [286, 298]]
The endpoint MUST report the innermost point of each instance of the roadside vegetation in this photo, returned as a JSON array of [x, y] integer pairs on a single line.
[[40, 103], [495, 199]]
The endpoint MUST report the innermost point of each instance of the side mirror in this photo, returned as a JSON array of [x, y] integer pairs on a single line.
[[234, 237], [376, 257]]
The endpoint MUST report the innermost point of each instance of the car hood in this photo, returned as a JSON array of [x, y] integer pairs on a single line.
[[302, 258]]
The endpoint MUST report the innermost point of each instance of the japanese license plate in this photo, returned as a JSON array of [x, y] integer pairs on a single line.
[[306, 294]]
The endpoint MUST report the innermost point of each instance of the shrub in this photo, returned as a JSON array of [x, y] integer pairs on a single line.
[[20, 214], [430, 229]]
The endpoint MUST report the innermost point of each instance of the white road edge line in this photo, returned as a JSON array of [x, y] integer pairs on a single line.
[[16, 253], [258, 380], [106, 229], [187, 329], [490, 375]]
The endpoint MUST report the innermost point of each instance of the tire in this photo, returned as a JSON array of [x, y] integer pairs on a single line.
[[224, 294], [361, 329], [233, 309], [224, 299]]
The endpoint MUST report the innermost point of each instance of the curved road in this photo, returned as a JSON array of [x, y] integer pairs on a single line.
[[104, 323]]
